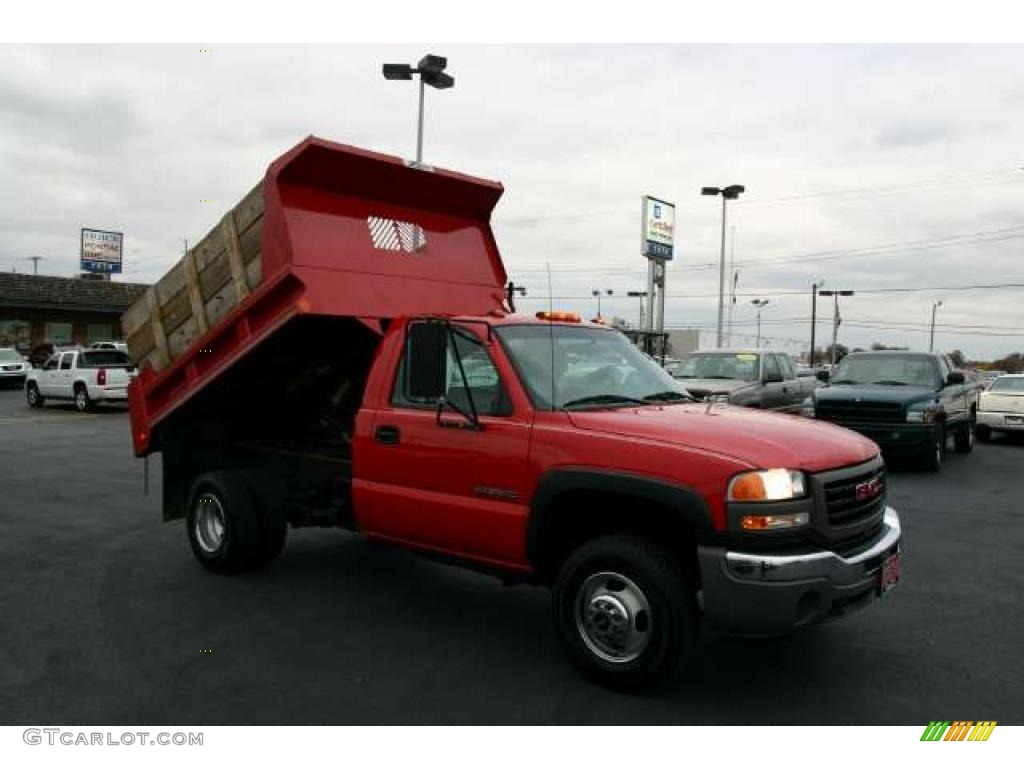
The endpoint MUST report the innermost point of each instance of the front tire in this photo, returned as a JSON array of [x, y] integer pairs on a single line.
[[625, 611], [227, 528], [964, 441], [83, 402], [936, 450], [35, 400]]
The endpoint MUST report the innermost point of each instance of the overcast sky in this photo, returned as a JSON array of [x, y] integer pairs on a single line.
[[871, 167]]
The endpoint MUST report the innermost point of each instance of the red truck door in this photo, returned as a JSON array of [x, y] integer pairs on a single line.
[[447, 486]]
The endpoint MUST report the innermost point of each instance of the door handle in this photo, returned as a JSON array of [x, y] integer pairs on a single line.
[[388, 435]]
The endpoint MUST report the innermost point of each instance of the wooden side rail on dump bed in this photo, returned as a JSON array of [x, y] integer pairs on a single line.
[[201, 289]]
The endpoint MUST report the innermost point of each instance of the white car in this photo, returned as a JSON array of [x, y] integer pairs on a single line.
[[13, 367], [84, 376], [1001, 406]]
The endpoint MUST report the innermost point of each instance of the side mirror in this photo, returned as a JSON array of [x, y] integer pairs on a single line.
[[955, 377], [822, 376], [426, 362]]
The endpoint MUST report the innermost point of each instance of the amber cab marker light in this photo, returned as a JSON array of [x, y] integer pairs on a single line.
[[563, 317]]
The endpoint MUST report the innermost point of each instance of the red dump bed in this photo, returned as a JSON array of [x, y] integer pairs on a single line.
[[346, 232]]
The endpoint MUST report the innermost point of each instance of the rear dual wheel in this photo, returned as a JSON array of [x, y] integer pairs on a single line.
[[232, 527]]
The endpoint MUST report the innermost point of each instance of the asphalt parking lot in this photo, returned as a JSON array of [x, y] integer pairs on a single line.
[[105, 617]]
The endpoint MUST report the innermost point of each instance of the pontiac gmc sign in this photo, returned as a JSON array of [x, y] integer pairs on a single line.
[[101, 250], [659, 221]]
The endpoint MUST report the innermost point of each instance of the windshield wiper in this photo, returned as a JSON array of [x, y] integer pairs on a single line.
[[669, 395], [891, 382], [604, 400]]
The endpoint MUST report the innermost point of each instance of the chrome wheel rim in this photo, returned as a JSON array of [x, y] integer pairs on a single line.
[[613, 617], [80, 400], [32, 394], [209, 523]]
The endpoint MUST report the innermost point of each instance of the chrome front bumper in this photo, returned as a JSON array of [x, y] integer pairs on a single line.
[[764, 593]]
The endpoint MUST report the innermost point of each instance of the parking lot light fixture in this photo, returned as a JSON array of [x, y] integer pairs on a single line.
[[760, 304], [431, 71], [732, 192]]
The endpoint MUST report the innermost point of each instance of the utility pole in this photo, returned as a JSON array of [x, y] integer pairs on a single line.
[[35, 263], [836, 320], [931, 335]]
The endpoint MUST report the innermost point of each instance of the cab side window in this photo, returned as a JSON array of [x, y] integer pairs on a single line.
[[51, 364], [65, 361], [481, 381], [788, 371], [771, 368]]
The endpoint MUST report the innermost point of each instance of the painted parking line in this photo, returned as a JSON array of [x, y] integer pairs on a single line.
[[36, 419]]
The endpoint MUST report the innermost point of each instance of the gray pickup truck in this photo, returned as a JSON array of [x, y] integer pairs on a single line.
[[757, 378]]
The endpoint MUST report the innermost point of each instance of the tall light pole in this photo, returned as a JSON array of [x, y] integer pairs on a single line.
[[431, 72], [814, 318], [731, 192], [639, 295], [598, 292], [734, 279], [835, 319], [760, 304], [931, 335]]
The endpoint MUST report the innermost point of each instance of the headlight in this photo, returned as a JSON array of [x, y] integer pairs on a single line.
[[923, 413], [767, 485]]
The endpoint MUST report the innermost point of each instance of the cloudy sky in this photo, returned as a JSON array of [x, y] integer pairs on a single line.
[[872, 167]]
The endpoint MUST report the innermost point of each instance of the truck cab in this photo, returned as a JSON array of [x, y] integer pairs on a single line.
[[377, 378]]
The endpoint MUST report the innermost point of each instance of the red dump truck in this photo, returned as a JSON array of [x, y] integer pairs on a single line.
[[341, 351]]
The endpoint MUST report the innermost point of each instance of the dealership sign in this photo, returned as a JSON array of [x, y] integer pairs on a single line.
[[659, 222], [101, 250]]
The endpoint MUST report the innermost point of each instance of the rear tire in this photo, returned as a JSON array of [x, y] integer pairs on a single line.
[[936, 450], [625, 610], [35, 400], [227, 528]]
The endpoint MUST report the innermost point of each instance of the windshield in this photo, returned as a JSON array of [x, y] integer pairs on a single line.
[[585, 367], [9, 356], [740, 366], [1008, 384], [887, 370]]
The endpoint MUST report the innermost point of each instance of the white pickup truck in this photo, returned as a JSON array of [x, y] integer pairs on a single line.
[[85, 376]]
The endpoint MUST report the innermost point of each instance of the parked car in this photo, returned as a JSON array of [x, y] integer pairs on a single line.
[[86, 377], [13, 368], [907, 402], [755, 378], [1001, 407]]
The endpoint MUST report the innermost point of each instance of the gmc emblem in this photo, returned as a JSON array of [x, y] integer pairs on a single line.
[[868, 489]]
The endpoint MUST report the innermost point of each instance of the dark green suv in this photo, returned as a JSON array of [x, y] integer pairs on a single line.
[[907, 402]]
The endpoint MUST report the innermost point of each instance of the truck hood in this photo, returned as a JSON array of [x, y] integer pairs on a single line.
[[855, 393], [714, 386], [764, 440]]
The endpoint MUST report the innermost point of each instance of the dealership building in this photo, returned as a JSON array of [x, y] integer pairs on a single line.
[[61, 310]]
